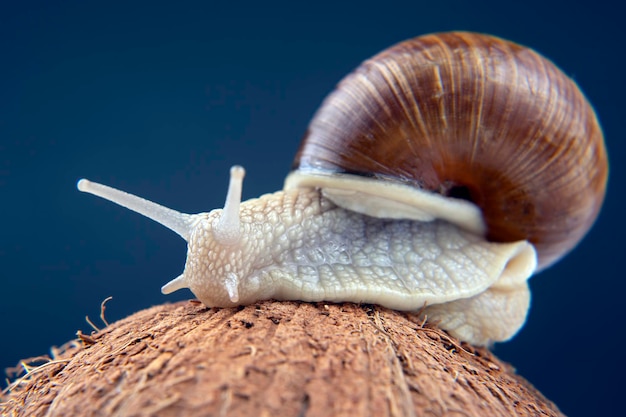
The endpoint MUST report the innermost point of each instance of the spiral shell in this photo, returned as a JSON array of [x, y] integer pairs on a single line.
[[474, 117]]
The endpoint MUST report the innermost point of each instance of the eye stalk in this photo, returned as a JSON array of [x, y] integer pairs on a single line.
[[226, 229], [181, 223]]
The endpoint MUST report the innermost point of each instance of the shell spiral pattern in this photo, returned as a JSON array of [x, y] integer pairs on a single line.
[[476, 117]]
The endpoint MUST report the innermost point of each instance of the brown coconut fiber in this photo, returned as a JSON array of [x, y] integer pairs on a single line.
[[271, 359]]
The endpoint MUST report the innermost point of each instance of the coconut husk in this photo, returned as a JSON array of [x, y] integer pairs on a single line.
[[272, 359]]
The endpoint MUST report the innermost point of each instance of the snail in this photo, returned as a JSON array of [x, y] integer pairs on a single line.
[[437, 177]]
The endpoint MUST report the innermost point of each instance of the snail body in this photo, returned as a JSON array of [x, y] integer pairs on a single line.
[[390, 200]]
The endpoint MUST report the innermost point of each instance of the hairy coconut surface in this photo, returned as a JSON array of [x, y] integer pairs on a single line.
[[272, 359]]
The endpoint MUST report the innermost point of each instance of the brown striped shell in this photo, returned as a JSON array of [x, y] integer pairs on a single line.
[[476, 117]]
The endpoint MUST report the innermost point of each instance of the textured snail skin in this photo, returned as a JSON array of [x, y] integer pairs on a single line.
[[298, 245], [475, 114], [370, 212]]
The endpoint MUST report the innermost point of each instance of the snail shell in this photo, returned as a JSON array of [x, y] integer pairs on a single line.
[[421, 181], [468, 116]]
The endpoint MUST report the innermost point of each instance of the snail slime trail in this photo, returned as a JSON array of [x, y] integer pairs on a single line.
[[369, 212]]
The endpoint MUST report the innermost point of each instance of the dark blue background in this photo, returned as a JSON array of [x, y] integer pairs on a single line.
[[161, 100]]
